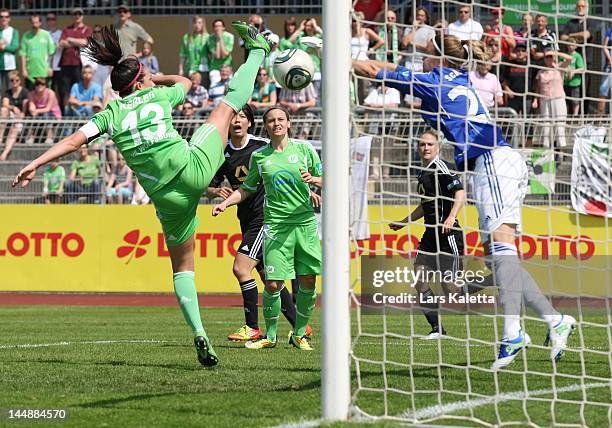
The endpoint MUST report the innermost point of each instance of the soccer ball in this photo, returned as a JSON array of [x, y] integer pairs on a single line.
[[293, 69]]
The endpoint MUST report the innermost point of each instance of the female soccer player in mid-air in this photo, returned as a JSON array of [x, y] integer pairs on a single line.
[[500, 177], [291, 243], [174, 173]]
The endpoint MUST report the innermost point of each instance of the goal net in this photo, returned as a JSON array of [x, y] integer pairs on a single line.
[[398, 370]]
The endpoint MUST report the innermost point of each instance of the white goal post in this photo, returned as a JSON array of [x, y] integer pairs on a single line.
[[336, 336]]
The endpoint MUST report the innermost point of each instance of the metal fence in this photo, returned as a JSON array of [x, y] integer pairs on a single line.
[[393, 156]]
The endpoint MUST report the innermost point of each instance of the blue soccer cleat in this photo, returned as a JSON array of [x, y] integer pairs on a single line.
[[509, 349]]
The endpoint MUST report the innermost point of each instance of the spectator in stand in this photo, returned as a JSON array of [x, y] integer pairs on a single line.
[[310, 28], [9, 44], [551, 97], [297, 102], [73, 38], [516, 77], [379, 98], [119, 185], [218, 90], [218, 50], [290, 29], [14, 106], [101, 72], [36, 52], [573, 79], [191, 58], [465, 28], [129, 31], [55, 34], [487, 85], [85, 96], [84, 180], [197, 94], [264, 92], [369, 8], [43, 104], [606, 79], [186, 127], [416, 38], [362, 38], [54, 178], [542, 40], [580, 28], [502, 34], [526, 27], [147, 58], [390, 34]]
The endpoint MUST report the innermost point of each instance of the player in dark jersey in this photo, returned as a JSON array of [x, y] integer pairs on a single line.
[[251, 217], [441, 246]]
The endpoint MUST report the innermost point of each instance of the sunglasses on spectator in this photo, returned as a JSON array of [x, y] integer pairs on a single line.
[[464, 11], [77, 14], [39, 84], [51, 18], [5, 16], [123, 11], [15, 80]]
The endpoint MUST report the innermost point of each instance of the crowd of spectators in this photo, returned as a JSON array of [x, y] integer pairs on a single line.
[[532, 70]]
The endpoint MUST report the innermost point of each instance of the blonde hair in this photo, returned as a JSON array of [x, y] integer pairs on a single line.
[[14, 74], [460, 53], [193, 33]]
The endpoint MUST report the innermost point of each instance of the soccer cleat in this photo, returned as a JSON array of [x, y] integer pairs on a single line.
[[509, 349], [252, 38], [435, 334], [245, 333], [558, 335], [261, 343], [206, 354], [302, 343], [308, 333]]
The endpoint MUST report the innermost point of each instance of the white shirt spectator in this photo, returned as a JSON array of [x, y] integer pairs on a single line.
[[377, 98], [471, 30], [217, 92]]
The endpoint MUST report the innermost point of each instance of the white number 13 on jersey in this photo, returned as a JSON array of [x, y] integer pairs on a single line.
[[131, 123]]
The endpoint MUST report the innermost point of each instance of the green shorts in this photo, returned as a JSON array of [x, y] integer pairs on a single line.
[[291, 249], [177, 202]]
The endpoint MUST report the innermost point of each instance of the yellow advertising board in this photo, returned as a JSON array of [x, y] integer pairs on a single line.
[[82, 248]]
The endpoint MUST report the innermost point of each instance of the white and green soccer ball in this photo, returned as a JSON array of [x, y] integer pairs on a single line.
[[293, 69]]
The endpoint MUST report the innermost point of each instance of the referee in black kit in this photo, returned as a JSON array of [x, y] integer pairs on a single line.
[[441, 246]]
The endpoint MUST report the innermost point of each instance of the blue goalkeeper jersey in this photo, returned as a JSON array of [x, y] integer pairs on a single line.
[[451, 105]]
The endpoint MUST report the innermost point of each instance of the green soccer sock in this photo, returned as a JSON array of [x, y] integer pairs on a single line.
[[271, 311], [187, 297], [305, 303], [240, 87]]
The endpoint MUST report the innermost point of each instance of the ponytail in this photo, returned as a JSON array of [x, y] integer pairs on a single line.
[[126, 72], [460, 53]]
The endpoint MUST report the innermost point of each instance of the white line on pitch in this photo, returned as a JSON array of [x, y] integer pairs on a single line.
[[445, 409], [87, 342]]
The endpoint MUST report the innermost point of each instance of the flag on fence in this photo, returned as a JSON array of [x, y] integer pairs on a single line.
[[591, 181], [542, 171]]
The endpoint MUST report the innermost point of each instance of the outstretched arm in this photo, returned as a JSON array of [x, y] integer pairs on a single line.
[[65, 146], [371, 68], [235, 198]]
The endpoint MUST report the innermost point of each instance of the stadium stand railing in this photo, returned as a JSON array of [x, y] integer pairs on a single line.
[[399, 140]]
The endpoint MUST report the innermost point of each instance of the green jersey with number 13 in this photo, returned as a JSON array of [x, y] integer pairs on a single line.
[[141, 127]]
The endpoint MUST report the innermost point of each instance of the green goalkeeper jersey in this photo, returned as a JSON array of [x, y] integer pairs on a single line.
[[287, 197], [141, 127]]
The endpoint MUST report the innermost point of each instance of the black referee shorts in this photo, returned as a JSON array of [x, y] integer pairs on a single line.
[[252, 241], [440, 251]]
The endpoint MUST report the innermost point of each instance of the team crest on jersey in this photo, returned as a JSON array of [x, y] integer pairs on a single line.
[[269, 269], [292, 158]]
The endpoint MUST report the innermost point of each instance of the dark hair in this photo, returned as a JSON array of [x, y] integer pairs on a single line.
[[281, 108], [126, 72], [290, 21], [36, 15], [248, 112], [218, 20]]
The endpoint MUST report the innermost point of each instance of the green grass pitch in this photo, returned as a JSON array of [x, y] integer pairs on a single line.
[[114, 380]]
